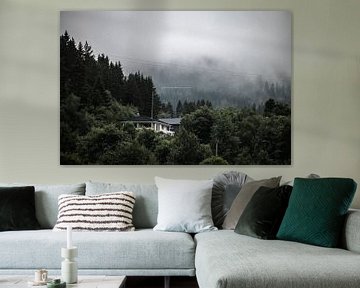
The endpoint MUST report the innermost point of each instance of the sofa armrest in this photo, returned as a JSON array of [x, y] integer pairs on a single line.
[[351, 232]]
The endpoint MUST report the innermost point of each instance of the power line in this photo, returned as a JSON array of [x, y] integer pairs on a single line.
[[175, 87], [187, 67]]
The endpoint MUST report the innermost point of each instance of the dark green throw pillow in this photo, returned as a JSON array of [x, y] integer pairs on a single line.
[[264, 213], [316, 211], [17, 208]]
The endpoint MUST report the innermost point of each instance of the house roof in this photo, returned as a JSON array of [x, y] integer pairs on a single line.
[[171, 121], [141, 119], [144, 119]]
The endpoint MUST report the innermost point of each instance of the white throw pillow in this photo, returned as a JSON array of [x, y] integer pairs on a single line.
[[184, 205], [105, 212]]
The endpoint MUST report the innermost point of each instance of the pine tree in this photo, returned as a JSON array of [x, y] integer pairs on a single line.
[[179, 109]]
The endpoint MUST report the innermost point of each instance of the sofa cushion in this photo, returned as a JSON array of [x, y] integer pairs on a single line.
[[263, 215], [225, 189], [46, 200], [225, 259], [243, 198], [105, 212], [142, 249], [317, 209], [184, 205], [17, 208], [146, 205]]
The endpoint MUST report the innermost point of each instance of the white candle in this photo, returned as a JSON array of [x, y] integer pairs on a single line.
[[69, 239]]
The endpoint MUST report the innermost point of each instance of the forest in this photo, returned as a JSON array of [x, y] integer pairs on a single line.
[[97, 100]]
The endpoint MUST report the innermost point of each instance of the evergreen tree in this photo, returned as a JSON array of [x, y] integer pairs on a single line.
[[186, 149], [179, 109], [200, 123], [96, 97]]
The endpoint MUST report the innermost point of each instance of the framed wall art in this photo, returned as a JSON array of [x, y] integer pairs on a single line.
[[175, 87]]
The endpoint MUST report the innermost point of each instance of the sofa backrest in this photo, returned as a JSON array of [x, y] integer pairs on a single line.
[[46, 200], [146, 203]]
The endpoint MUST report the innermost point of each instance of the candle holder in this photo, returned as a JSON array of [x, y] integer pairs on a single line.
[[68, 265]]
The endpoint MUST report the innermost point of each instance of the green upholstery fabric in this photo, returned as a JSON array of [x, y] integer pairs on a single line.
[[138, 250], [225, 259], [263, 215], [146, 204], [316, 211], [17, 208]]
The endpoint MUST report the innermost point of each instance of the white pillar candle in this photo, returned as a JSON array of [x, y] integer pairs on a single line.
[[69, 237]]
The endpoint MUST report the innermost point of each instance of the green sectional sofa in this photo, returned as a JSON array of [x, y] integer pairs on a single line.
[[219, 259], [226, 259]]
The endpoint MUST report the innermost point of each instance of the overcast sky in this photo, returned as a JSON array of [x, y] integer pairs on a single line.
[[236, 42]]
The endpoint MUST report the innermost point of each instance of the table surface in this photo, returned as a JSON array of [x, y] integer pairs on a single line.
[[84, 281]]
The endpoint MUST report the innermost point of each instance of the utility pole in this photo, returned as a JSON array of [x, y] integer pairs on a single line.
[[152, 104]]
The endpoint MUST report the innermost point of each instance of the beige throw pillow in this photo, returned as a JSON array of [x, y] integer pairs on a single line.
[[243, 198], [104, 212]]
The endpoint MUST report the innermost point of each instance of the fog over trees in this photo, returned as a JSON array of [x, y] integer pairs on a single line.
[[245, 124], [207, 79]]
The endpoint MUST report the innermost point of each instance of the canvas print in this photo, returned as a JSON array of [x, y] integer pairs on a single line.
[[175, 87]]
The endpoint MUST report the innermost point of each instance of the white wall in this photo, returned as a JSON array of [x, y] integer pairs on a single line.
[[326, 91]]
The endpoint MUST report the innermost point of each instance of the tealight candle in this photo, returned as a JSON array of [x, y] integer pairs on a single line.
[[69, 237]]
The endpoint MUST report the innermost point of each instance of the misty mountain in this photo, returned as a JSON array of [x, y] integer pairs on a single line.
[[210, 80]]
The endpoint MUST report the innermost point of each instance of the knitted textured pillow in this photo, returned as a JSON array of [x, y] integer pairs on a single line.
[[316, 211], [105, 212]]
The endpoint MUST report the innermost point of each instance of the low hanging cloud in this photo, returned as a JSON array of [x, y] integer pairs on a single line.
[[209, 50]]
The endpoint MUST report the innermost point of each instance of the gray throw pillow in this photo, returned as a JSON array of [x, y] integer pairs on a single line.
[[242, 199], [184, 205], [146, 204], [226, 187]]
